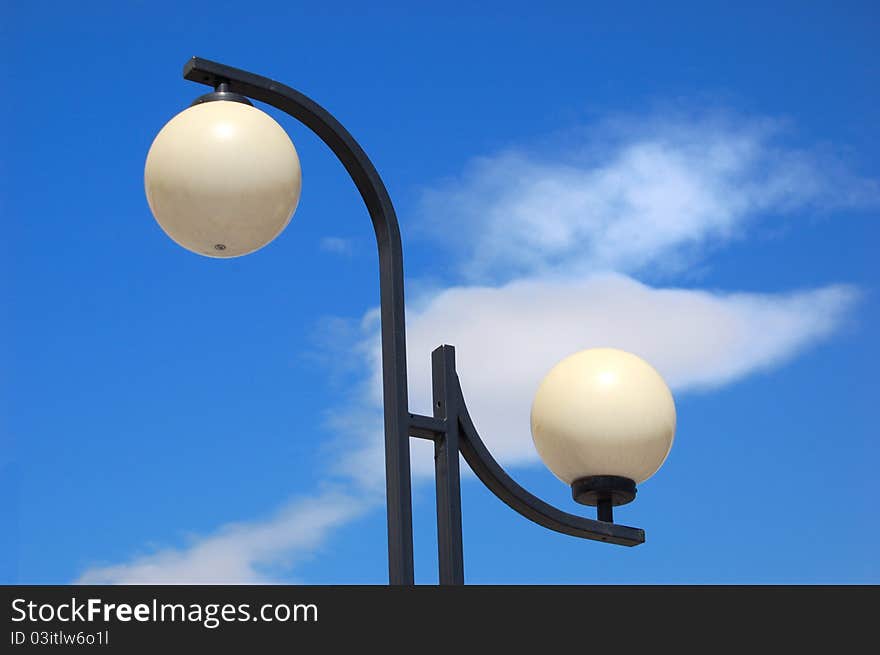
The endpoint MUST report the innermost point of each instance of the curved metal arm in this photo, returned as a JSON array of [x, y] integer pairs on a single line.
[[453, 421], [375, 196], [533, 508]]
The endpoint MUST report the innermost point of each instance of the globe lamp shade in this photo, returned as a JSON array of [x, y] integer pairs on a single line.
[[603, 412], [222, 178]]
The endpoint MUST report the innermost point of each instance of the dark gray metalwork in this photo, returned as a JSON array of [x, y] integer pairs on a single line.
[[604, 492], [450, 554], [222, 92], [451, 427]]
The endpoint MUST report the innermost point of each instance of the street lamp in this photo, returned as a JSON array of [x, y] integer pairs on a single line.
[[223, 179]]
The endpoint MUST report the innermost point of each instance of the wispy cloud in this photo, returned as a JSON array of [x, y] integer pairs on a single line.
[[337, 245], [640, 193], [253, 552], [554, 245]]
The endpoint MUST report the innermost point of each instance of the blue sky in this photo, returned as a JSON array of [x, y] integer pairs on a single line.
[[696, 183]]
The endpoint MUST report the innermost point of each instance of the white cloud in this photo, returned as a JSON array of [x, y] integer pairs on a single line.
[[240, 553], [508, 337], [647, 193]]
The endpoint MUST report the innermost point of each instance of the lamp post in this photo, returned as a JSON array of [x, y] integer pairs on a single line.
[[223, 179]]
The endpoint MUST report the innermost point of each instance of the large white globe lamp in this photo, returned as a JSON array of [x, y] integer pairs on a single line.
[[603, 420], [222, 178]]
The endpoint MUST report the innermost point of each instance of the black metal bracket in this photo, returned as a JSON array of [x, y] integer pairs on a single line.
[[604, 492], [222, 92]]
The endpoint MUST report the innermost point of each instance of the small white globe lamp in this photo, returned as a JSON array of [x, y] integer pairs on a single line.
[[222, 178], [603, 421]]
